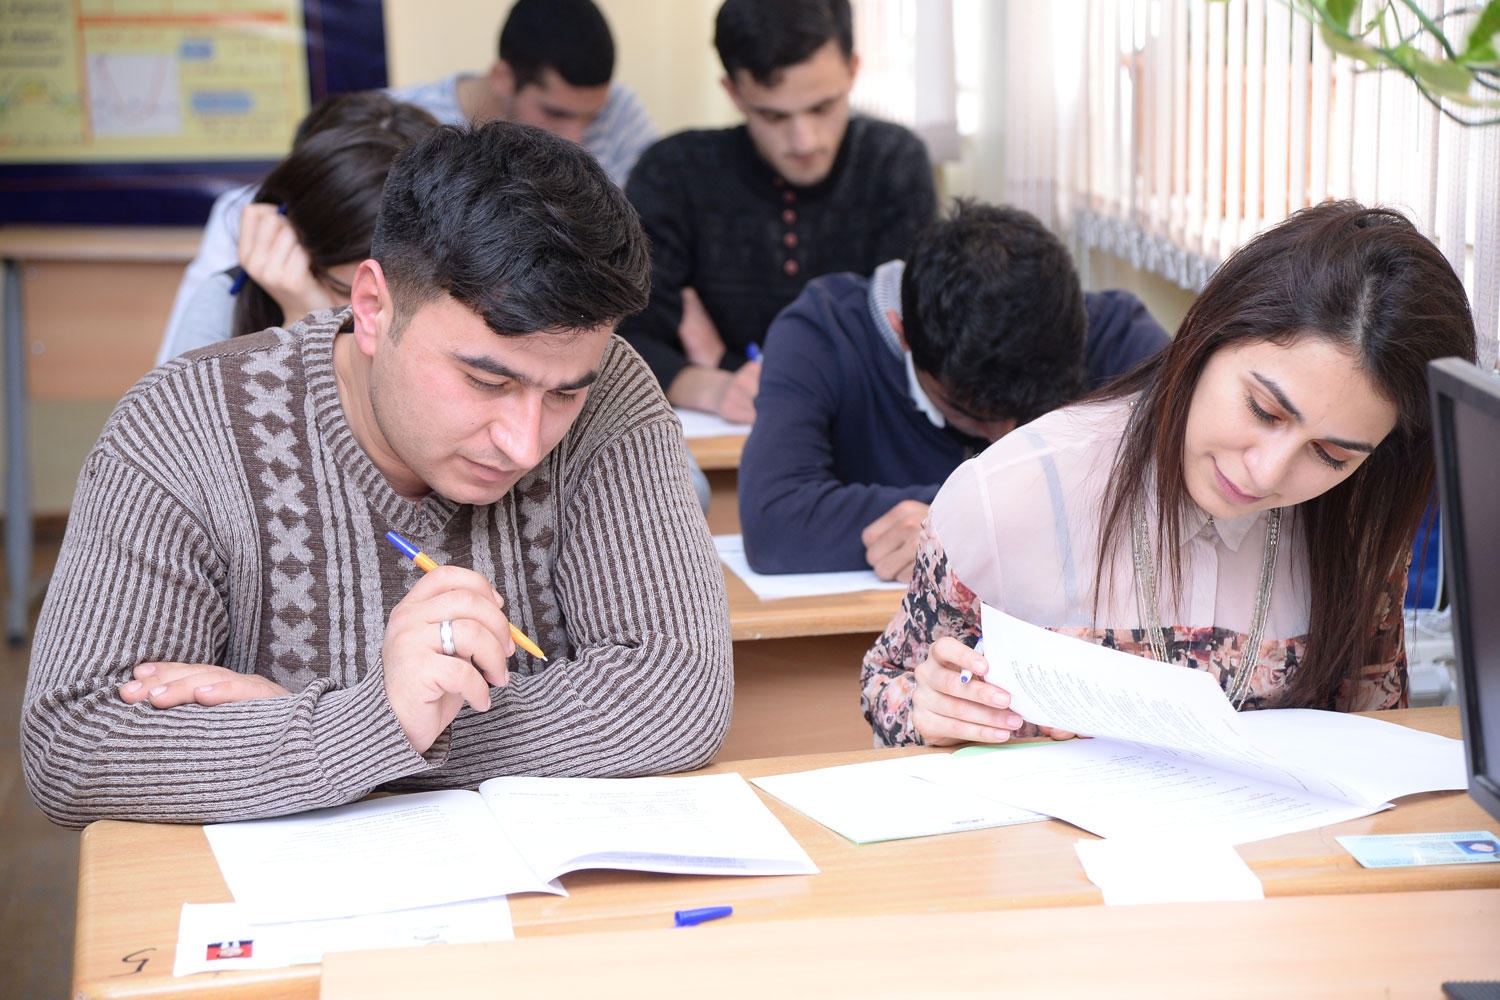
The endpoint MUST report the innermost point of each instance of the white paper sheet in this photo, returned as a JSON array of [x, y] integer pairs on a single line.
[[1056, 680], [215, 937], [706, 824], [706, 425], [1166, 870], [1184, 758], [889, 800], [431, 848], [1118, 789], [382, 854], [769, 587]]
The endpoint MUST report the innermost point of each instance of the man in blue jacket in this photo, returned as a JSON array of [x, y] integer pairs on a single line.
[[874, 389]]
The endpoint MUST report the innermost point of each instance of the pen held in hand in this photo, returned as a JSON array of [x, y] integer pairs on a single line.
[[425, 563]]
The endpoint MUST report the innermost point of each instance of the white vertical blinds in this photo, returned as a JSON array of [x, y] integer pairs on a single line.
[[1182, 127], [906, 51]]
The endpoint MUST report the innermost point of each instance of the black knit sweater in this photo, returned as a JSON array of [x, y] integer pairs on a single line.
[[724, 223]]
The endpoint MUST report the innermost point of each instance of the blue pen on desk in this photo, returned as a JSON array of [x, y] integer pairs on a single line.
[[692, 918], [753, 352]]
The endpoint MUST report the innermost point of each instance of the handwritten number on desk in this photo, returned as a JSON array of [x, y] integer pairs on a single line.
[[138, 957]]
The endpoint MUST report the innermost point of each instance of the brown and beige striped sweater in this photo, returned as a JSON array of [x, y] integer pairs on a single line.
[[227, 515]]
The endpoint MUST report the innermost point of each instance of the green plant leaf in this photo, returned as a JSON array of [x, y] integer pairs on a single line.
[[1340, 12], [1483, 47], [1352, 47], [1441, 76]]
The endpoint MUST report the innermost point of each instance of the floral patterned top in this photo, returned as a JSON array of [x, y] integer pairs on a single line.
[[1012, 529]]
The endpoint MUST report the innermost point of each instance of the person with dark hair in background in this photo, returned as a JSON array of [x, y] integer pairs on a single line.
[[553, 68], [740, 219], [1243, 505], [875, 390], [309, 223], [256, 647]]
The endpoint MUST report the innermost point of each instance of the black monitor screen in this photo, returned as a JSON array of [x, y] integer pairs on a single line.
[[1466, 416]]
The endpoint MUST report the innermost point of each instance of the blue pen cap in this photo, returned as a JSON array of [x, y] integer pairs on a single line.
[[692, 918]]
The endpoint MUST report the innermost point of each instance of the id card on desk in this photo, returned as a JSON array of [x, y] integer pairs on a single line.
[[1399, 850]]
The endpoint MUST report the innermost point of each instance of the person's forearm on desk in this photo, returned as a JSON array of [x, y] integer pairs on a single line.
[[712, 390]]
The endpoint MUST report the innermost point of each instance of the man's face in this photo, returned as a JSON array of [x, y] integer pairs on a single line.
[[458, 409], [550, 102], [798, 123]]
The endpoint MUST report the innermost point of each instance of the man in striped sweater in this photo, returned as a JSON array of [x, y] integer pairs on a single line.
[[228, 634]]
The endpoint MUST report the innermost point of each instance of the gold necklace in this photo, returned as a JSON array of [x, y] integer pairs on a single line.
[[1145, 594]]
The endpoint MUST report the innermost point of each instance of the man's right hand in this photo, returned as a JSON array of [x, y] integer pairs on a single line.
[[729, 394], [890, 540], [426, 687], [738, 403]]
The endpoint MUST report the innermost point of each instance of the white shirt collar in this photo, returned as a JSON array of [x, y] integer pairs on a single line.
[[1231, 532], [885, 295]]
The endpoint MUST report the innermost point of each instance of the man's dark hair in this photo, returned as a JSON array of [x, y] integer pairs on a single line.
[[992, 309], [570, 36], [764, 37], [520, 226]]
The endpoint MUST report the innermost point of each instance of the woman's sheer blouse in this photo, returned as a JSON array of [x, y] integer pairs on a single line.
[[1017, 527]]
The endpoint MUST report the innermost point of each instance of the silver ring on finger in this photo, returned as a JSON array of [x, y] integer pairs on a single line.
[[445, 636]]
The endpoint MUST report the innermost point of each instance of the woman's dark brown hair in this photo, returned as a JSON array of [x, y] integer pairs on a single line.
[[1368, 281], [329, 185]]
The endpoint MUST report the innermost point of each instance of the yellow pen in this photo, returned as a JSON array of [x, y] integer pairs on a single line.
[[426, 565]]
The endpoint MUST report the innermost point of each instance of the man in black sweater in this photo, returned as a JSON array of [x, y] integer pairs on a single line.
[[740, 219]]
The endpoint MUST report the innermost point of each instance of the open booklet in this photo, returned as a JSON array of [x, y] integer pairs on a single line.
[[1170, 754], [514, 835]]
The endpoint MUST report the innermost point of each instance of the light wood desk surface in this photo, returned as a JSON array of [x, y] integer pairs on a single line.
[[135, 244], [832, 614], [1392, 945], [715, 453], [133, 879]]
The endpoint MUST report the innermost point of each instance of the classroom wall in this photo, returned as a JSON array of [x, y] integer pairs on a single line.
[[664, 52]]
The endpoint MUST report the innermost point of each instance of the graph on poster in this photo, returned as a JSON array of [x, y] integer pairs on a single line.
[[150, 80]]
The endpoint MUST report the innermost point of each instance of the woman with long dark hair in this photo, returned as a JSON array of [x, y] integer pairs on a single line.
[[1244, 504], [309, 224]]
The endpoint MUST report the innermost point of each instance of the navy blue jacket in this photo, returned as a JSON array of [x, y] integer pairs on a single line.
[[838, 441]]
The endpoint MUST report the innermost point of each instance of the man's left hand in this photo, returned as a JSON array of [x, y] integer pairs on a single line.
[[167, 685], [890, 540]]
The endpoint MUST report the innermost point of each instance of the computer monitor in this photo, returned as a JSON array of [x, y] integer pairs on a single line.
[[1466, 436]]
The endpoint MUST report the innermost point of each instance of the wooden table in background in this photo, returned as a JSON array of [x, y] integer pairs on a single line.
[[1392, 945], [85, 308], [134, 878], [715, 454], [796, 670]]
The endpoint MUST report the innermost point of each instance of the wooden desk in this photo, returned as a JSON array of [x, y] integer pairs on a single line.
[[719, 458], [715, 453], [863, 612], [133, 879], [1381, 945], [89, 304], [796, 670]]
